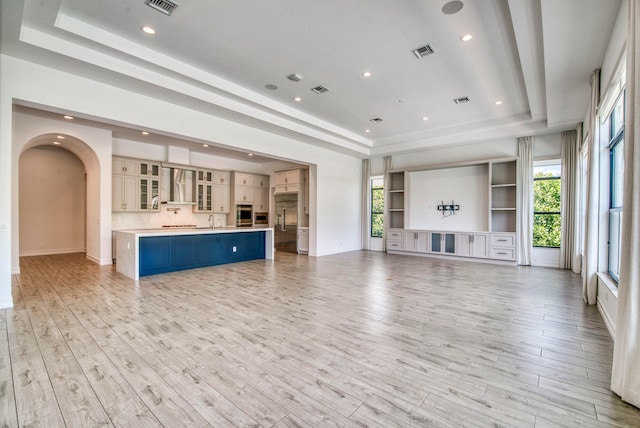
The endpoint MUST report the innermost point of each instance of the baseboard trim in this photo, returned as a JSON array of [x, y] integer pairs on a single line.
[[607, 320], [50, 252]]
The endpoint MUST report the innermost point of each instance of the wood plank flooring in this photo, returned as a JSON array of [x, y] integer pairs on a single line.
[[351, 340]]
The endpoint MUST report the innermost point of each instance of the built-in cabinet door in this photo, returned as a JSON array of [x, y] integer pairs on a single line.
[[442, 242], [244, 194], [149, 169], [473, 244], [124, 195], [221, 199], [221, 177], [204, 197], [261, 181], [125, 166], [306, 191], [415, 241], [260, 199], [149, 194], [242, 179], [287, 177]]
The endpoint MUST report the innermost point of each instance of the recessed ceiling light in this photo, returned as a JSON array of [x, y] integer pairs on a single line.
[[205, 145], [60, 137], [499, 102], [271, 86], [367, 130], [145, 133], [466, 37], [366, 74], [297, 99], [402, 100], [250, 154], [425, 118], [57, 143], [68, 117], [148, 30]]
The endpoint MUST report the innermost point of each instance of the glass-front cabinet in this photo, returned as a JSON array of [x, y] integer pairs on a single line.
[[149, 194], [442, 242]]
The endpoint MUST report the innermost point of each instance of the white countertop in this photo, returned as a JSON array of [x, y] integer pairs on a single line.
[[190, 231]]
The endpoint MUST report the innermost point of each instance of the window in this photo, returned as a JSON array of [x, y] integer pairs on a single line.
[[546, 204], [377, 207], [616, 174]]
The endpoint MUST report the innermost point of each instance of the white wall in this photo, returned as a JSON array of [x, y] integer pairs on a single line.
[[6, 184], [52, 202], [450, 155], [466, 186]]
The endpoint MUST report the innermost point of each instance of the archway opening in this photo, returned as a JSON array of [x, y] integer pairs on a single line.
[[58, 190]]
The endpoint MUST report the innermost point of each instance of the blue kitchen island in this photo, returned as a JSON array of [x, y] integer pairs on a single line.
[[150, 252]]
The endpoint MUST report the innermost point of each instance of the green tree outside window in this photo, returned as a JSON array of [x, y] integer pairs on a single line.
[[546, 207], [377, 208]]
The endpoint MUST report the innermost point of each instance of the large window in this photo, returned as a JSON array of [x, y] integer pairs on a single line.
[[546, 204], [377, 207], [616, 171]]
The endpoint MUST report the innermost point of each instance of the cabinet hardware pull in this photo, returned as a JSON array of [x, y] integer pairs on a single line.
[[502, 240], [502, 253]]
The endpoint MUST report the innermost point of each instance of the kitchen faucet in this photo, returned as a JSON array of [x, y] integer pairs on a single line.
[[211, 221]]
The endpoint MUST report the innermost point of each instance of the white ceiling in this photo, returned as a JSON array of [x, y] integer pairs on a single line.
[[535, 56]]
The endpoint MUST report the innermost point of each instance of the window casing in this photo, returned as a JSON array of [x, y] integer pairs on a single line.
[[546, 204], [377, 207], [616, 186]]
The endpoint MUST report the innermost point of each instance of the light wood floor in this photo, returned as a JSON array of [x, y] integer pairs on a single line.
[[357, 339]]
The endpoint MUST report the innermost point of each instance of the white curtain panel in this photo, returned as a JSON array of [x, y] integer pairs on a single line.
[[625, 380], [576, 265], [590, 250], [525, 200], [386, 167], [365, 219], [569, 155]]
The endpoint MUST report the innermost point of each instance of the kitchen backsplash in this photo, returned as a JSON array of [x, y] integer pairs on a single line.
[[183, 216]]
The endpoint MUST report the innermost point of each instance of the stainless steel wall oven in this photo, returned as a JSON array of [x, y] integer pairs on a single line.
[[244, 215]]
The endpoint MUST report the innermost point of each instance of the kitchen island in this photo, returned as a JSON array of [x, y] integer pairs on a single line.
[[149, 252]]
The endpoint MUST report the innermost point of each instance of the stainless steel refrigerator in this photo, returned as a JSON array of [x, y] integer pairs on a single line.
[[286, 222]]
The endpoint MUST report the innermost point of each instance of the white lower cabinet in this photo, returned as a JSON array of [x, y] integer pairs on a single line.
[[442, 242], [478, 245], [395, 239], [473, 244], [503, 246], [415, 241], [303, 240]]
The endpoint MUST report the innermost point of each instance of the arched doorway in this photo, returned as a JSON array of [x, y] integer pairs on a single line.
[[52, 201], [58, 190]]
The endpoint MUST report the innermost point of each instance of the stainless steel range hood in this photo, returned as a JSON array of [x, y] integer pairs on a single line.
[[177, 184]]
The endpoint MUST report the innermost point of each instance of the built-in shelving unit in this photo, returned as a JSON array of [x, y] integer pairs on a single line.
[[395, 199], [494, 238], [503, 196]]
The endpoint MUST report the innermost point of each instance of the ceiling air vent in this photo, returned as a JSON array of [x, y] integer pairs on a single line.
[[319, 89], [423, 51], [164, 6], [376, 120], [461, 100]]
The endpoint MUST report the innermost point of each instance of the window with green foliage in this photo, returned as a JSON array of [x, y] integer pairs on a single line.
[[377, 207], [546, 206]]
